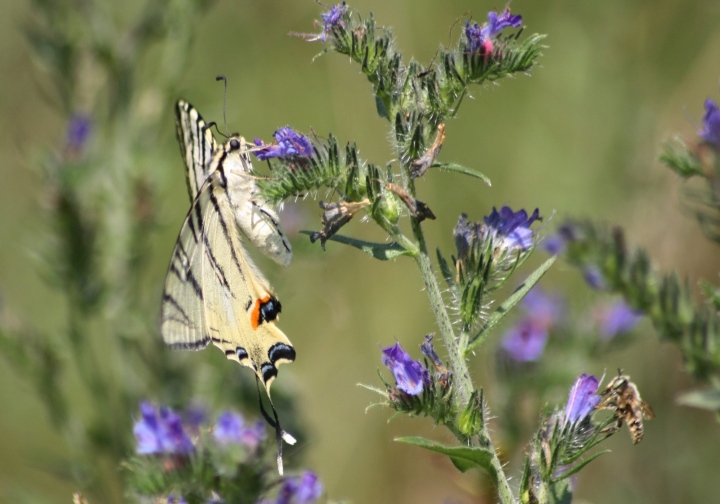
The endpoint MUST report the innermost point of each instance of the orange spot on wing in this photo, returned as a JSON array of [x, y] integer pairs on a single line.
[[255, 317]]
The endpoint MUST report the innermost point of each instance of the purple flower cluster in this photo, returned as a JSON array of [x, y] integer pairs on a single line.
[[288, 143], [410, 375], [161, 432], [582, 399], [710, 132], [479, 38], [525, 341], [511, 230], [231, 428]]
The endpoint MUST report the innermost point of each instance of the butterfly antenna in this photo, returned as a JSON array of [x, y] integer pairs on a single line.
[[224, 79], [274, 422]]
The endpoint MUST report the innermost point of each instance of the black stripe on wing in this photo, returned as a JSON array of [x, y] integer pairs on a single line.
[[197, 145], [226, 229]]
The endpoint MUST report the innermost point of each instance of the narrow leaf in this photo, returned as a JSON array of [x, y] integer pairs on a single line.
[[381, 251], [578, 467], [505, 307], [463, 457], [704, 399], [452, 167], [445, 270]]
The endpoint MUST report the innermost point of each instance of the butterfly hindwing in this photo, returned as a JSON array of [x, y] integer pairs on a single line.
[[213, 292]]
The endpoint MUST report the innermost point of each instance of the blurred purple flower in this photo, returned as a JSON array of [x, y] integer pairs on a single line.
[[582, 399], [594, 277], [194, 415], [231, 428], [160, 432], [557, 243], [78, 132], [525, 341], [542, 308], [410, 375], [554, 244], [288, 143], [176, 500], [514, 227], [479, 37], [465, 234], [617, 318], [710, 131], [304, 489]]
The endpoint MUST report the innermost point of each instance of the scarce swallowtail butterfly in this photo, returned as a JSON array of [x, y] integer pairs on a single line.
[[213, 291]]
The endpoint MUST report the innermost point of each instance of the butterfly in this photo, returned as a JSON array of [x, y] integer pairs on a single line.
[[213, 292]]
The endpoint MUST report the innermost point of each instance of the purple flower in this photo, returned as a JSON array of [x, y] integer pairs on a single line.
[[173, 500], [331, 18], [476, 41], [160, 432], [582, 399], [410, 375], [513, 227], [479, 37], [303, 489], [429, 351], [617, 318], [287, 143], [231, 428], [78, 131], [594, 277], [710, 131], [525, 341]]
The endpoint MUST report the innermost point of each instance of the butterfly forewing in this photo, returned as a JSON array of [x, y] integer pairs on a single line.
[[257, 219], [197, 146]]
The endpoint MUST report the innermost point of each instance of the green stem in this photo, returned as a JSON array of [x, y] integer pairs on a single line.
[[462, 383], [461, 375]]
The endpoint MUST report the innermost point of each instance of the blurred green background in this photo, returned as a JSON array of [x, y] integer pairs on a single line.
[[579, 137]]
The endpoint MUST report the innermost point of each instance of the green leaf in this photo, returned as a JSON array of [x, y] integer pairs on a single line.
[[578, 467], [453, 167], [463, 457], [703, 399], [505, 307], [381, 251]]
